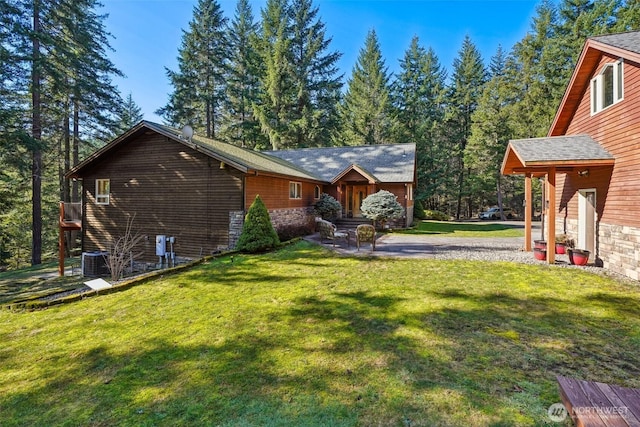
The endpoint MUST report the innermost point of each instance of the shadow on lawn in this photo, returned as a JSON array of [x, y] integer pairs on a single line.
[[435, 227]]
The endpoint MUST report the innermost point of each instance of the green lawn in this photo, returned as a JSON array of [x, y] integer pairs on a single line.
[[305, 337], [466, 229]]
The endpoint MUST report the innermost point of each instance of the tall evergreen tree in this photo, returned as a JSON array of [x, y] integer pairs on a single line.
[[366, 108], [278, 94], [127, 115], [490, 134], [240, 126], [198, 85], [418, 95], [314, 76], [467, 83]]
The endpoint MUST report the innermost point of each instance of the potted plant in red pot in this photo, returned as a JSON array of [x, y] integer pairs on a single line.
[[578, 256], [562, 243]]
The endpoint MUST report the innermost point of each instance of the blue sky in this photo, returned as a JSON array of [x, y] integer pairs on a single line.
[[147, 34]]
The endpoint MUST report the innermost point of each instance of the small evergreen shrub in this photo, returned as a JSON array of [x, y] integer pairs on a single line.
[[381, 206], [436, 215], [258, 234], [327, 207], [418, 210]]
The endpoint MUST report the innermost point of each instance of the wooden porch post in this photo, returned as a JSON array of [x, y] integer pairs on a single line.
[[61, 242], [527, 212], [551, 226]]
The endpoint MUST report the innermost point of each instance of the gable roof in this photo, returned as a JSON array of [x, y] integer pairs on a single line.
[[538, 154], [622, 45], [244, 160], [381, 163]]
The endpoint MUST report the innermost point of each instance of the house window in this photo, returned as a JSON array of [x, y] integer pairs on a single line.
[[295, 190], [410, 191], [607, 87], [102, 191], [316, 192]]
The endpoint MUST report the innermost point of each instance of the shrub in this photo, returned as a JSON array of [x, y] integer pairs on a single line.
[[292, 231], [436, 215], [258, 234], [381, 206], [418, 210], [327, 207]]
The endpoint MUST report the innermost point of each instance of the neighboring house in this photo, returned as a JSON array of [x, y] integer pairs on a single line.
[[198, 190], [591, 157]]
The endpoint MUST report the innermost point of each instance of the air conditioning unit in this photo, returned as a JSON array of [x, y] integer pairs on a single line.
[[94, 264]]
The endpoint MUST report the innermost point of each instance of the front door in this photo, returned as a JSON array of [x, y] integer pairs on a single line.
[[357, 193], [587, 220]]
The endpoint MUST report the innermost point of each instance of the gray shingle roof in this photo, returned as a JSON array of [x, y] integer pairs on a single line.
[[386, 163], [559, 149], [629, 41], [238, 156]]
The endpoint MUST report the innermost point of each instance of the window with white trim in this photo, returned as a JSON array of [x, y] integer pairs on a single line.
[[103, 188], [316, 192], [410, 191], [607, 87], [295, 190]]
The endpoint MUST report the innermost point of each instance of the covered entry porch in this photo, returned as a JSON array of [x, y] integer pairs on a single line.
[[546, 158], [353, 186]]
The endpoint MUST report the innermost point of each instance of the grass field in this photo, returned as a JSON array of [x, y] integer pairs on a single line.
[[466, 229], [305, 337]]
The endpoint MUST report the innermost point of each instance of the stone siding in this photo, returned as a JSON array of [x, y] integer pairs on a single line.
[[292, 217], [280, 218], [236, 221], [617, 247]]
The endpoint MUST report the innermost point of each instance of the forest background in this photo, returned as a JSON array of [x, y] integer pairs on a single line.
[[268, 79]]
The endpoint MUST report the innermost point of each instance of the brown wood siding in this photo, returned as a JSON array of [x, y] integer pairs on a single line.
[[274, 192], [617, 129], [171, 189], [354, 176]]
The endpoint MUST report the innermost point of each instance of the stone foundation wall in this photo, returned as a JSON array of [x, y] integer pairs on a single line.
[[280, 218], [293, 217], [236, 221], [617, 247]]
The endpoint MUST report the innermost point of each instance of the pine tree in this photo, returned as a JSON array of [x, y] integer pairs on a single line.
[[468, 79], [418, 95], [198, 85], [490, 134], [314, 76], [128, 115], [278, 94], [366, 108], [240, 126], [258, 234]]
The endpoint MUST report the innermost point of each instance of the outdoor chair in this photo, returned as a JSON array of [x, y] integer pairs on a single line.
[[366, 233], [328, 231]]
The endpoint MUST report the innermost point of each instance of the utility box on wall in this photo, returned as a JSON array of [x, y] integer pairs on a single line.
[[161, 245]]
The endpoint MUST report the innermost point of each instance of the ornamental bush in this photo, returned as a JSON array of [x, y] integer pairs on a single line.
[[418, 210], [258, 234], [327, 207], [381, 206]]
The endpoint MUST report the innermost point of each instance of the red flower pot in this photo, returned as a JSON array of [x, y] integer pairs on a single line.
[[540, 244], [561, 248], [540, 253], [578, 256]]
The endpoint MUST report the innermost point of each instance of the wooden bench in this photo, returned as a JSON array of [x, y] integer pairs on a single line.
[[329, 231], [594, 404]]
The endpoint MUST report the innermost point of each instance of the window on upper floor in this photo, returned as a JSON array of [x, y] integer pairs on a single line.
[[103, 188], [295, 190], [607, 87]]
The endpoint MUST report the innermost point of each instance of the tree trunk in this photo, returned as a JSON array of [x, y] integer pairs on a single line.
[[75, 192], [36, 133]]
